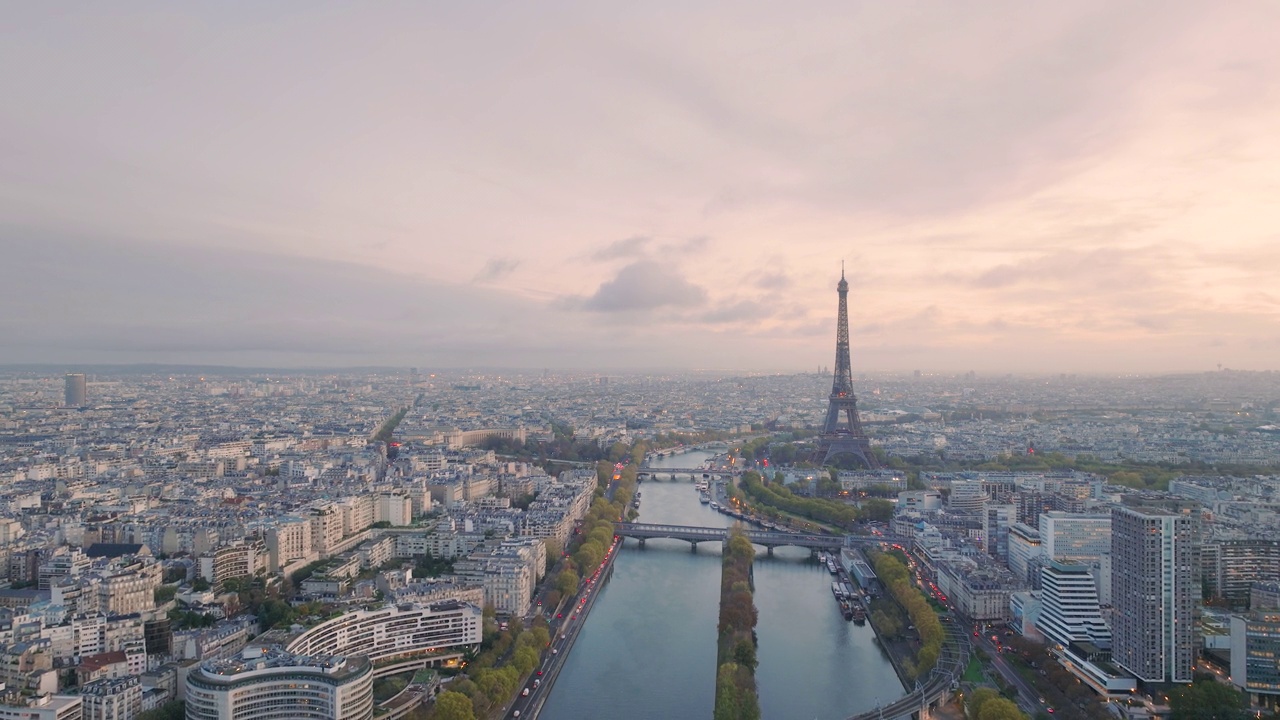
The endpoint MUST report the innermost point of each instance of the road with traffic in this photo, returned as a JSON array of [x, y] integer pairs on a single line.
[[564, 632]]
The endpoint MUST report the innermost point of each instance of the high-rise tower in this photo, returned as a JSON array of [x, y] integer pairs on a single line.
[[1155, 581], [842, 432], [76, 391]]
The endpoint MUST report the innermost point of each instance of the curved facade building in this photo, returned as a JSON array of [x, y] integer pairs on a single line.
[[967, 496], [394, 631], [277, 685]]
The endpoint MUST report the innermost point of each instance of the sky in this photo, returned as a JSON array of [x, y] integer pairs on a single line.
[[1010, 187]]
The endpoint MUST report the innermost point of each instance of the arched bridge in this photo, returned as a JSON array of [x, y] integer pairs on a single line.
[[766, 538], [692, 472]]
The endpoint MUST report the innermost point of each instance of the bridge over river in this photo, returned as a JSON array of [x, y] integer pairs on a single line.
[[766, 538], [929, 693], [653, 472]]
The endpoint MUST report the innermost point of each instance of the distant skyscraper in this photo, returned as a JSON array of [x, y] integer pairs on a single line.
[[77, 391], [1155, 581]]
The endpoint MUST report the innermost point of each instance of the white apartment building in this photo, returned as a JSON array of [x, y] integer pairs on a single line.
[[269, 685], [1069, 610], [112, 699], [394, 630], [1024, 547], [326, 528], [288, 541], [241, 559], [394, 509], [44, 707], [357, 513], [130, 588], [919, 501]]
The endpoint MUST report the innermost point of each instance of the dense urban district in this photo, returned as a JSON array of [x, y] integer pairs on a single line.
[[206, 543]]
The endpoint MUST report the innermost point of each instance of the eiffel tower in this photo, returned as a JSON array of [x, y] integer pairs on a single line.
[[843, 437]]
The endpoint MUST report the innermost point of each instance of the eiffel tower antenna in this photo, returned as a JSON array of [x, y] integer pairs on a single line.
[[842, 432]]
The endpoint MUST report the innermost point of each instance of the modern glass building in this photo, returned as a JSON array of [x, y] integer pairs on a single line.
[[1067, 536], [1255, 657]]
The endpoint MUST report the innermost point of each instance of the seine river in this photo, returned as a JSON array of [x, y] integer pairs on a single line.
[[648, 649]]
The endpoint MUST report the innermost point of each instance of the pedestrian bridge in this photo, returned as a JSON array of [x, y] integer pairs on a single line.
[[766, 538]]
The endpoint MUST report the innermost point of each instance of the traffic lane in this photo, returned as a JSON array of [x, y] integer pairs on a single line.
[[1026, 693], [551, 663], [563, 635]]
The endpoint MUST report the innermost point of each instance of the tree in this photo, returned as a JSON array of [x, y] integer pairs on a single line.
[[744, 654], [555, 549], [1000, 709], [728, 701], [567, 583], [980, 697], [525, 660], [877, 509], [454, 706], [172, 710], [1207, 700], [273, 612]]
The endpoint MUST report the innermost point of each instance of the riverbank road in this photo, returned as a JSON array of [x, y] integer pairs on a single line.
[[564, 633]]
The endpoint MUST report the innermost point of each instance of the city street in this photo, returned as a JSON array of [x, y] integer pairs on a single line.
[[1028, 696]]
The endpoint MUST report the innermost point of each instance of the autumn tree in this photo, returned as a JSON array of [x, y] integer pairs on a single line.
[[454, 706]]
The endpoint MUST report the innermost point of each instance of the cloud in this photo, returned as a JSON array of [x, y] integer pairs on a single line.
[[631, 247], [737, 312], [128, 301], [772, 280], [645, 285], [689, 246], [1101, 270], [496, 269]]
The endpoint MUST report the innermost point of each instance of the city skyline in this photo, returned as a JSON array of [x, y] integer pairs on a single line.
[[1058, 189]]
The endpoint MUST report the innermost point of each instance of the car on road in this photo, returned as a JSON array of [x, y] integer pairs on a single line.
[[524, 692]]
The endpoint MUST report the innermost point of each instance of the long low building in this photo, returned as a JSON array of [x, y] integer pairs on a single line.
[[394, 631]]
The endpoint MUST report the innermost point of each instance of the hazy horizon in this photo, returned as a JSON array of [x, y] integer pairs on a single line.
[[1083, 188]]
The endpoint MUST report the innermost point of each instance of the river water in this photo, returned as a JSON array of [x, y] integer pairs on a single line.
[[648, 649]]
